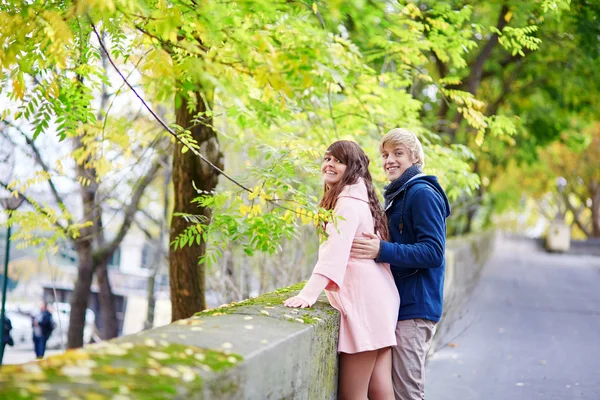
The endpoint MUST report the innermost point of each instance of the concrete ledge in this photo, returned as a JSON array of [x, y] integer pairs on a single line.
[[589, 247], [254, 349], [465, 259]]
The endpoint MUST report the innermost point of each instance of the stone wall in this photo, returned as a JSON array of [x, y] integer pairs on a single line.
[[465, 258], [255, 349]]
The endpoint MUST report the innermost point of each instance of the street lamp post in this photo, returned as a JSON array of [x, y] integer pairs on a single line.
[[9, 204]]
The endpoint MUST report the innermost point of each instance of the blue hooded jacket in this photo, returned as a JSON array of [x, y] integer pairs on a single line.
[[417, 222]]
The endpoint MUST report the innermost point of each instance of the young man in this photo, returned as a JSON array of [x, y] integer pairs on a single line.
[[416, 207]]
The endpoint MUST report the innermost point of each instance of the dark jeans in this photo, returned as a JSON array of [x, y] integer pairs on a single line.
[[39, 345]]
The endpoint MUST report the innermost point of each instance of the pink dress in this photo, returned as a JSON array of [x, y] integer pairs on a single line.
[[363, 291]]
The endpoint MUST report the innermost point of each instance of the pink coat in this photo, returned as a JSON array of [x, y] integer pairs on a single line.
[[363, 291]]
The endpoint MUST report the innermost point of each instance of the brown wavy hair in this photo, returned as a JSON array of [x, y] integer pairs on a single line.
[[357, 166]]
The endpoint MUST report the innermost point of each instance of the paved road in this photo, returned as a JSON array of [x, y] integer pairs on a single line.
[[532, 331]]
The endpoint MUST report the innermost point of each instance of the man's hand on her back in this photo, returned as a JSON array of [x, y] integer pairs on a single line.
[[365, 248]]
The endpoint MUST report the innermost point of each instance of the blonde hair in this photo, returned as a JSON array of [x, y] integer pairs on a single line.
[[401, 136]]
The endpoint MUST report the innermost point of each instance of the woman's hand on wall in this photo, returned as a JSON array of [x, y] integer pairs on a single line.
[[296, 302]]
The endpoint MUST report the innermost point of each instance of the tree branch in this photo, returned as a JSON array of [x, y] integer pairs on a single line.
[[543, 210], [505, 63], [477, 66], [171, 132], [38, 208], [576, 215], [130, 211], [150, 217], [38, 159], [157, 118], [143, 229], [506, 88]]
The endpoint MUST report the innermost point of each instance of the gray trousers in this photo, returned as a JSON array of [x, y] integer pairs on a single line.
[[408, 358]]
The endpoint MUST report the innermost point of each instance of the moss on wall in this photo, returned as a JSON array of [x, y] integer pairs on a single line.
[[269, 304], [149, 365], [148, 370]]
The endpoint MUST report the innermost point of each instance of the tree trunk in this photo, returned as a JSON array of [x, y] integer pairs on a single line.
[[85, 254], [110, 324], [187, 278], [151, 302], [81, 294]]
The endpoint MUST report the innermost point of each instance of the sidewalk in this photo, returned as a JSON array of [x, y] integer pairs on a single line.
[[20, 355]]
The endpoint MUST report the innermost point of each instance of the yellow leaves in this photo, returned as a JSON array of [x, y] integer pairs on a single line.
[[252, 210], [5, 113], [334, 87], [85, 6], [152, 363], [158, 355], [450, 80], [31, 372], [103, 167], [58, 36], [508, 16], [59, 167], [83, 181], [259, 192], [315, 8], [94, 396], [19, 186], [52, 90], [18, 87], [464, 98], [310, 217], [158, 63], [475, 118], [306, 217], [425, 77], [37, 388], [110, 370], [75, 371], [255, 93], [255, 209], [479, 138], [412, 11], [438, 23], [114, 350]]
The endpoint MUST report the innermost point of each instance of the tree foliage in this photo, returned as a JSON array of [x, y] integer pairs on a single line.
[[276, 82]]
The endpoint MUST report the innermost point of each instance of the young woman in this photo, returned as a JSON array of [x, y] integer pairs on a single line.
[[363, 291]]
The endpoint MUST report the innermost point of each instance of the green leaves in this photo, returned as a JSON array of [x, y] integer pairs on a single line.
[[281, 82]]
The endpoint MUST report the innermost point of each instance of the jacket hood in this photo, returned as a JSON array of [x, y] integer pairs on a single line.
[[357, 191], [432, 181]]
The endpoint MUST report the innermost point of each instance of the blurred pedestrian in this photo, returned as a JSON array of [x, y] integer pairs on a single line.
[[43, 325], [6, 338]]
